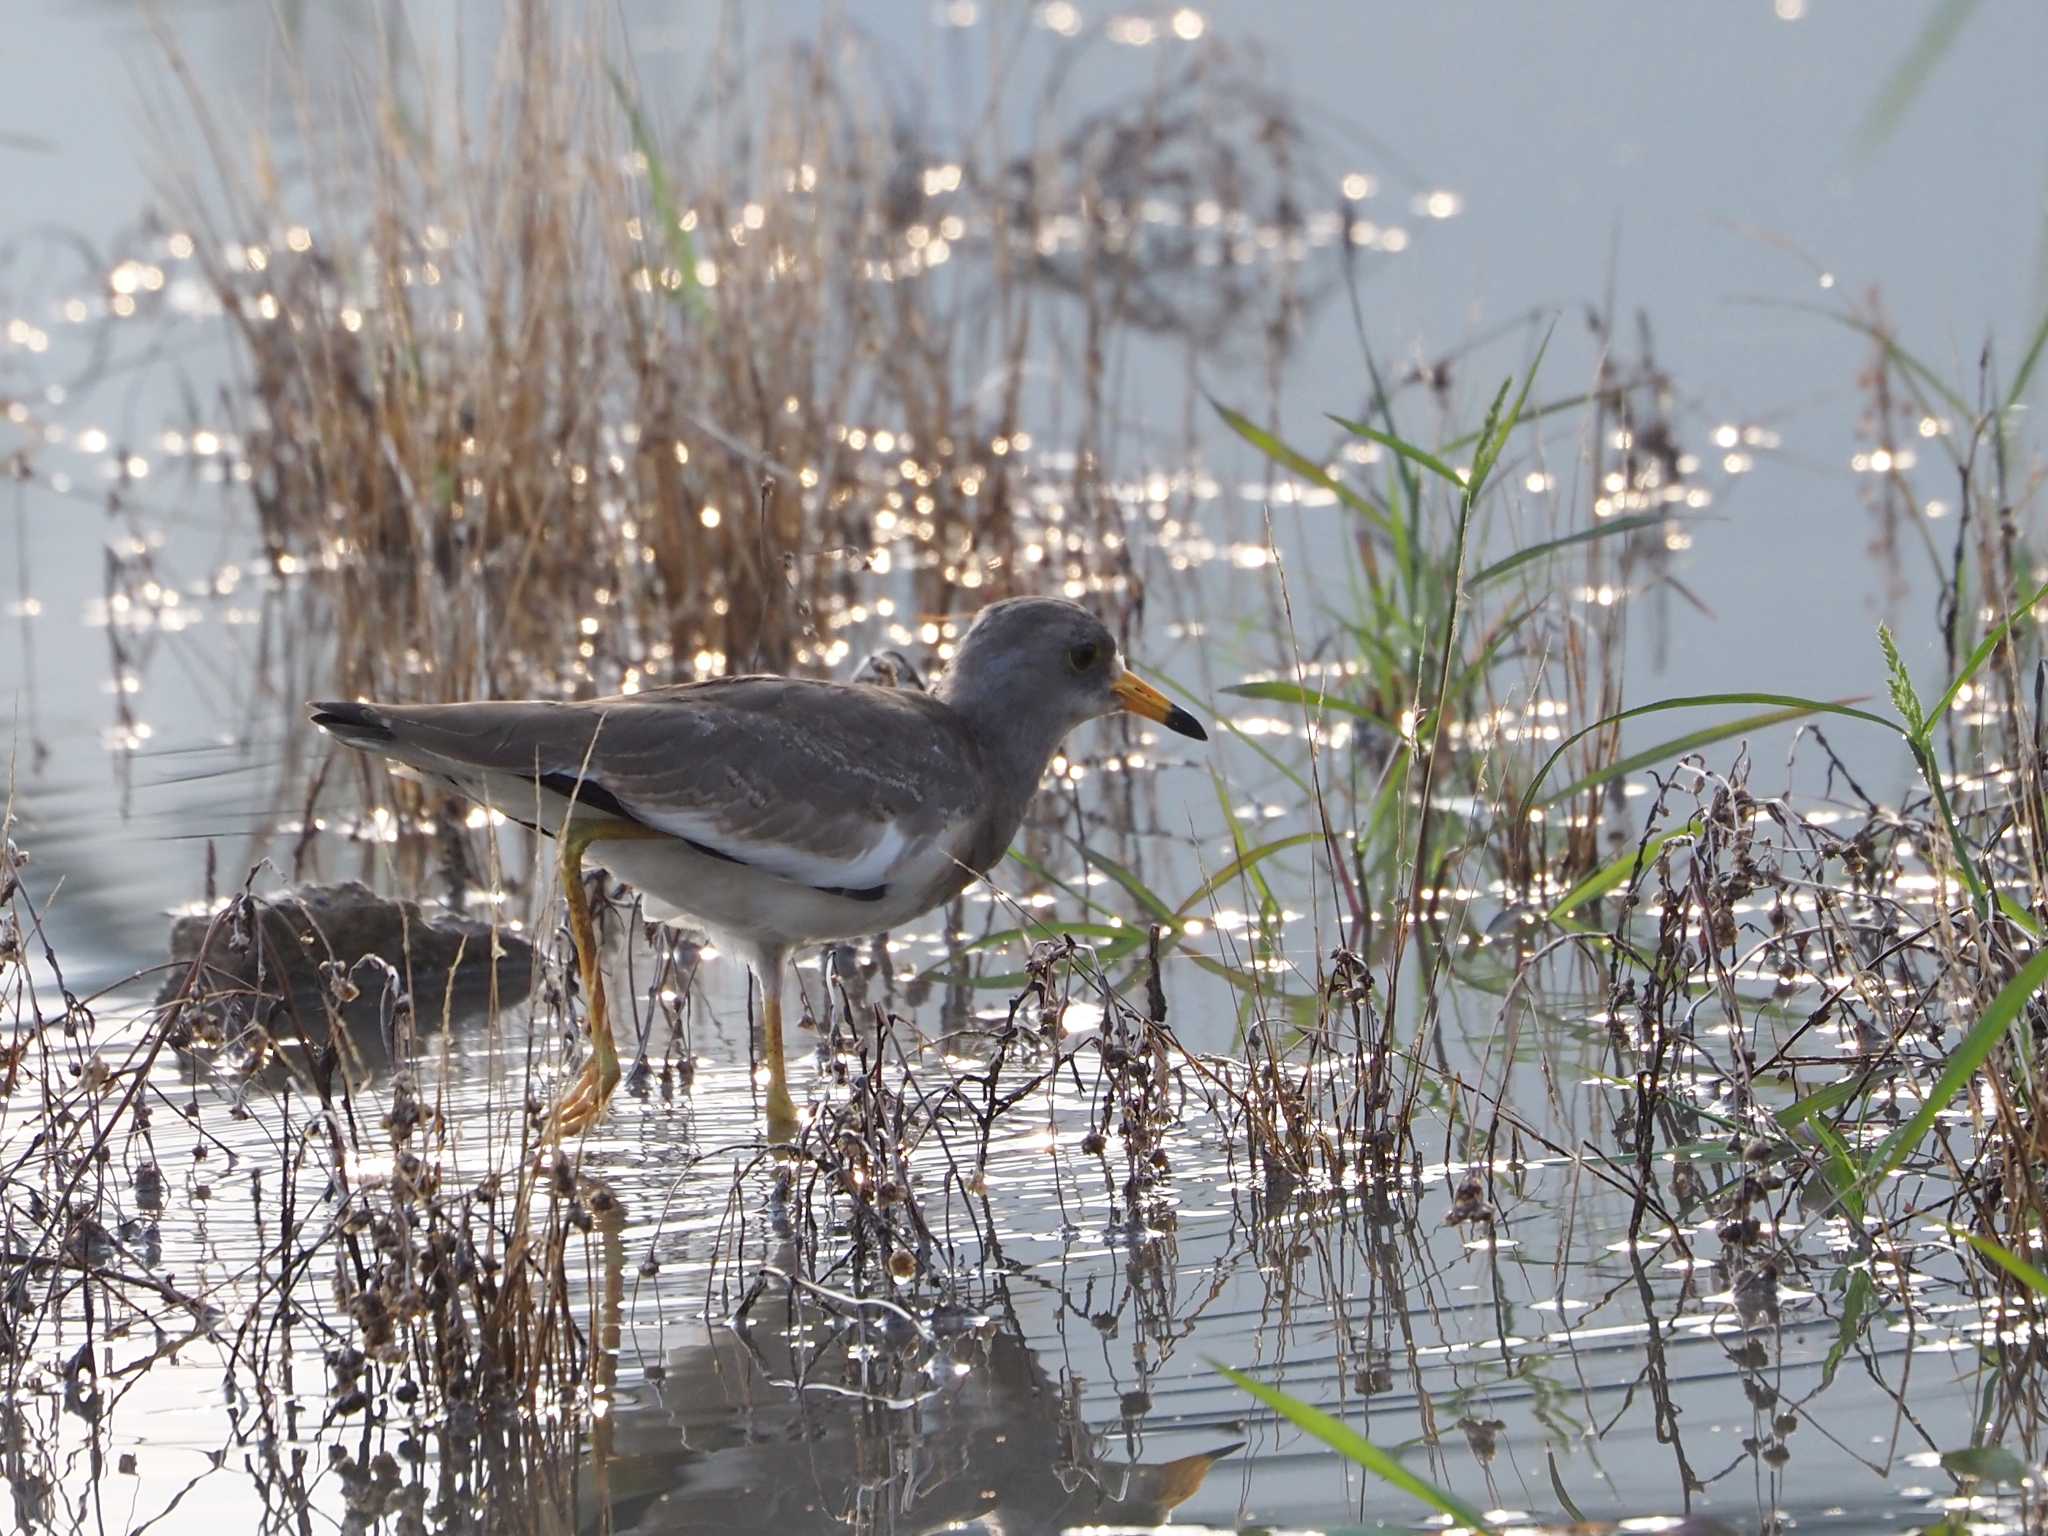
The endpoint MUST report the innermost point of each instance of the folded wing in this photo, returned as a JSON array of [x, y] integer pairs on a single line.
[[832, 786]]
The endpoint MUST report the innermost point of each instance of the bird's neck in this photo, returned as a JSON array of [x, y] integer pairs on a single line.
[[1017, 736]]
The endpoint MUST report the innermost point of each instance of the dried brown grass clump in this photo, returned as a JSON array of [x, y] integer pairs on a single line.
[[567, 397]]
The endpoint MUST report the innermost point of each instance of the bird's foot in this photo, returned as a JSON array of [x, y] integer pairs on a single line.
[[582, 1103], [782, 1124]]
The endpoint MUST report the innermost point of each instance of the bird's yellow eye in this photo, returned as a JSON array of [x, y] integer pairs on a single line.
[[1082, 656]]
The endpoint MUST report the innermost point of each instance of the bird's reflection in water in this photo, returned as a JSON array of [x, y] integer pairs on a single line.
[[899, 1429]]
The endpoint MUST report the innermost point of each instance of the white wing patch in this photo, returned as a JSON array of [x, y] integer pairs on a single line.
[[862, 869]]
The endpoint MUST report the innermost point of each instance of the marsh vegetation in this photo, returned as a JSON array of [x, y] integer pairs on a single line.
[[1570, 1103]]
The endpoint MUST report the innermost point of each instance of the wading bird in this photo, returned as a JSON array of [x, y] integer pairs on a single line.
[[776, 811]]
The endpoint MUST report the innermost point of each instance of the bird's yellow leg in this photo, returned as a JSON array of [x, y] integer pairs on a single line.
[[582, 1105], [782, 1124]]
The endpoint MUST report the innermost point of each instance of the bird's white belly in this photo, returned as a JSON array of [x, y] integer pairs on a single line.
[[678, 882], [737, 901]]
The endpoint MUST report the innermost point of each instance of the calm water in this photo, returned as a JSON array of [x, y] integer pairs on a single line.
[[1531, 160]]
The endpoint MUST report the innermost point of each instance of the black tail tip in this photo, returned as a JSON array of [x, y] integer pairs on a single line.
[[351, 722]]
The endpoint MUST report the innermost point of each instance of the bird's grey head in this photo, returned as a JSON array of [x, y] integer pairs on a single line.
[[1038, 665]]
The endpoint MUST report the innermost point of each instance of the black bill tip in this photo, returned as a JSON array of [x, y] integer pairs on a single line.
[[1180, 720], [353, 723]]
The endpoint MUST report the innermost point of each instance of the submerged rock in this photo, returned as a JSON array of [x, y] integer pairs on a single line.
[[312, 939]]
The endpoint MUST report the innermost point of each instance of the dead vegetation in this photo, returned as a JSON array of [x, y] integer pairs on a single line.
[[686, 389]]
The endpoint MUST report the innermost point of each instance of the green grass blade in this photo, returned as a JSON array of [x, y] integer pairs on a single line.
[[1257, 744], [1979, 656], [1300, 1009], [1974, 1050], [1106, 954], [676, 241], [1603, 530], [1250, 859], [1601, 881], [1476, 670], [1985, 1464], [1854, 1305], [1273, 759], [1930, 774], [1407, 450], [1278, 692], [1387, 637], [1267, 906], [1489, 441], [1548, 408], [1408, 508], [1839, 1168], [1564, 1500], [1819, 1102], [1300, 464], [1037, 933], [1791, 707], [1493, 446], [1383, 822], [1909, 76], [1356, 1448], [2025, 376], [1150, 900], [1039, 872], [1914, 368], [2020, 1269]]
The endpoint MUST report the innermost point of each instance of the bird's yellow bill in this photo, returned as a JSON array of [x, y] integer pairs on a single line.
[[1141, 698]]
